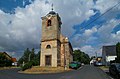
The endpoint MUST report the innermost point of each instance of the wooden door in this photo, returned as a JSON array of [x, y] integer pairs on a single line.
[[48, 60]]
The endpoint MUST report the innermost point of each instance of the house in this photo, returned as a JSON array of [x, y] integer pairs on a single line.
[[96, 61], [108, 54], [5, 60], [14, 60], [93, 61], [8, 57], [56, 49]]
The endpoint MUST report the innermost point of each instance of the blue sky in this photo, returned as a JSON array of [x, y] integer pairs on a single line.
[[20, 26]]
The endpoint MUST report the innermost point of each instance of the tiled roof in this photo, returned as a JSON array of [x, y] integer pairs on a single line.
[[14, 60], [8, 56]]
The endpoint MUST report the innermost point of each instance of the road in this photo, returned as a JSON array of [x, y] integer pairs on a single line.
[[86, 72]]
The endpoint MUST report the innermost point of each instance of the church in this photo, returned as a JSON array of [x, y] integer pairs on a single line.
[[56, 50]]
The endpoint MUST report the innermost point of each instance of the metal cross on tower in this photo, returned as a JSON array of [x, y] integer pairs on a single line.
[[52, 7]]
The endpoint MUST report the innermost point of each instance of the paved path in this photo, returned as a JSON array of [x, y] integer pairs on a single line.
[[86, 72]]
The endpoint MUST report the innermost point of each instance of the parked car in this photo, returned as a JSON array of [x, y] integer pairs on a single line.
[[74, 65], [97, 64], [114, 70]]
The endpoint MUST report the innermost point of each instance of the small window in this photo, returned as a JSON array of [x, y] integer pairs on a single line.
[[49, 23], [48, 47]]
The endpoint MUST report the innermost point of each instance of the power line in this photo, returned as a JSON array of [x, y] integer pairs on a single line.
[[102, 14]]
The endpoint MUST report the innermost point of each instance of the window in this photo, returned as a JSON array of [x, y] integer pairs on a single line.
[[48, 47], [49, 23]]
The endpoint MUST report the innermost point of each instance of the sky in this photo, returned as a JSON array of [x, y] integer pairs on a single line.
[[89, 24]]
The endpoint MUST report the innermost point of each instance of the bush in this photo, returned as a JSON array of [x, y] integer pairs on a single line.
[[35, 62], [27, 66]]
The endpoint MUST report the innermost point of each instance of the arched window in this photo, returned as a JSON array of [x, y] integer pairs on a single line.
[[48, 47], [49, 23]]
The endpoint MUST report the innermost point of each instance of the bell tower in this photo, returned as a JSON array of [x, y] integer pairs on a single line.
[[50, 41]]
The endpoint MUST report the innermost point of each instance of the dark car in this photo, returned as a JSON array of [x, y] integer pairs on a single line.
[[74, 65], [97, 63], [79, 63], [114, 70]]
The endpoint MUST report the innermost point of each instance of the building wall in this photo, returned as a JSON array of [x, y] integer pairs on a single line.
[[53, 51], [103, 56], [62, 55], [66, 52], [110, 58], [108, 54], [50, 32], [50, 36], [60, 50]]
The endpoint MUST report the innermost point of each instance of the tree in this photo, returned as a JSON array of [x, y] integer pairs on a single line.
[[118, 52], [25, 57], [30, 56], [77, 55], [81, 56], [92, 57], [37, 59]]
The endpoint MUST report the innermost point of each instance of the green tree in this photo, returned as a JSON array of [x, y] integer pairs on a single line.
[[37, 59], [77, 55], [30, 56], [92, 57], [118, 52], [81, 56], [25, 57]]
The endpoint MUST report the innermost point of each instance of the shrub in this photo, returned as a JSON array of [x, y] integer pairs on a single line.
[[27, 66], [35, 62]]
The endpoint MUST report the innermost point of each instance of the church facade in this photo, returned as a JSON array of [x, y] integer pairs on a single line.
[[56, 50]]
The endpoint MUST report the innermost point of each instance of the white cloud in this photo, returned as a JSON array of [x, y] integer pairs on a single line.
[[89, 32], [115, 37], [88, 49], [72, 12], [104, 5], [23, 29], [105, 31], [90, 43], [24, 26]]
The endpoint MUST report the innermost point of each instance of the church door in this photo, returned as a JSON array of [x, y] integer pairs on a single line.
[[48, 60]]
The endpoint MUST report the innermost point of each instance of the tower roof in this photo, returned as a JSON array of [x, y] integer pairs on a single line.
[[52, 12]]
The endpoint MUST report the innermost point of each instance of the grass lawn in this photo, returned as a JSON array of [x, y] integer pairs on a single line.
[[104, 67], [39, 70], [2, 68]]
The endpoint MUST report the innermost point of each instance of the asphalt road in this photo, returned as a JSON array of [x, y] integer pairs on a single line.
[[86, 72]]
